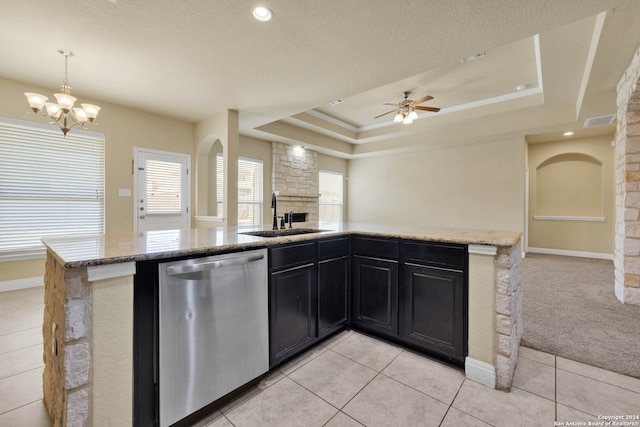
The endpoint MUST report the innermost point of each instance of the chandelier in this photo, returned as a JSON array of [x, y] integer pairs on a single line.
[[63, 113]]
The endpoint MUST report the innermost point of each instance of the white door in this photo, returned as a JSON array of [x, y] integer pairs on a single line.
[[162, 191]]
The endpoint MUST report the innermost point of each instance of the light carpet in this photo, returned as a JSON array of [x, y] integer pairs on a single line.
[[569, 309]]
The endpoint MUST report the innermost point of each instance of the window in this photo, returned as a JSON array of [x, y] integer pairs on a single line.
[[330, 184], [49, 186], [219, 185], [249, 192]]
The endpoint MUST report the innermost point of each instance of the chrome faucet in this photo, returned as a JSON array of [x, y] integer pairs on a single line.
[[274, 203]]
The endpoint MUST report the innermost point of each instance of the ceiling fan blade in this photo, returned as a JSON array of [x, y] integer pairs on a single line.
[[434, 109], [392, 111], [421, 100]]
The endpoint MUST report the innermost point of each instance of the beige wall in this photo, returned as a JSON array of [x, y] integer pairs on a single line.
[[479, 185], [573, 179], [123, 128]]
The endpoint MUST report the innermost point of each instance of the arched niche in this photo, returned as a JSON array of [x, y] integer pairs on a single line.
[[569, 184], [206, 178]]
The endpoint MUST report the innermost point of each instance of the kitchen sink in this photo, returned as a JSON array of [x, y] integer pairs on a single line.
[[285, 232]]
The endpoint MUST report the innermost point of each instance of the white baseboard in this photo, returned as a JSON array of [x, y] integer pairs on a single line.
[[14, 285], [563, 252], [480, 372]]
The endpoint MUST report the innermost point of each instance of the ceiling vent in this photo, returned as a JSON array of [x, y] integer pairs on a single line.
[[599, 121]]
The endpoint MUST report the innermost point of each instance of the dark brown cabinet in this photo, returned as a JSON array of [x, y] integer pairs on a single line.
[[375, 286], [413, 293], [293, 300], [333, 285], [410, 292], [375, 295], [432, 305], [308, 295], [433, 298]]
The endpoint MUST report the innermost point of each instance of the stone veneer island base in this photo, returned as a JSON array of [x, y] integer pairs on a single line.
[[88, 320]]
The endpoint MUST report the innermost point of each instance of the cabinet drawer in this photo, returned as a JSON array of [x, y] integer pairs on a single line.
[[377, 248], [333, 248], [292, 254], [435, 253]]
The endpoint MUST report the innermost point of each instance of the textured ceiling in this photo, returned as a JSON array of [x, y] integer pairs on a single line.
[[192, 59]]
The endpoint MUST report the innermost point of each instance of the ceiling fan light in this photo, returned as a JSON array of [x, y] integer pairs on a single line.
[[65, 101], [407, 121], [398, 118], [36, 101], [413, 115]]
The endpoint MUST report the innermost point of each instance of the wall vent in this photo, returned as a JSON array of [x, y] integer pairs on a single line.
[[599, 121]]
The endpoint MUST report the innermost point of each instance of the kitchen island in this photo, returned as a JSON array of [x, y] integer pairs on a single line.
[[89, 306]]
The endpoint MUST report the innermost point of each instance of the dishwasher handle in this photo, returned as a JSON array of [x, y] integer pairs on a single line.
[[211, 265]]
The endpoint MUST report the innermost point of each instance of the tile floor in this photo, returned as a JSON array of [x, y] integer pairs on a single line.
[[350, 380]]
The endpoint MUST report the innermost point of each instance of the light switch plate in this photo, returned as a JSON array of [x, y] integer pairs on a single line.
[[124, 192]]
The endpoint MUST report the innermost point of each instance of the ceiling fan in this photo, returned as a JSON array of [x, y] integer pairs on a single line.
[[406, 109]]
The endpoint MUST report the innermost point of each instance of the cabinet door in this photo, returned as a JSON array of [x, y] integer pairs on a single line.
[[293, 305], [375, 295], [333, 295], [433, 305]]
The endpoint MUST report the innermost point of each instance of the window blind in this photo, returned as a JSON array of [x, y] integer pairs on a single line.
[[49, 186], [249, 192], [219, 184], [164, 183], [331, 196]]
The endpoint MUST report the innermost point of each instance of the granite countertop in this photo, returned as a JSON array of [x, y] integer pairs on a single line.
[[125, 247]]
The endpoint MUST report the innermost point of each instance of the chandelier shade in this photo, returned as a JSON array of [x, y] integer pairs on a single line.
[[63, 112]]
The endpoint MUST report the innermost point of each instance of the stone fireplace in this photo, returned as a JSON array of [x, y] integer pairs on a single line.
[[295, 177]]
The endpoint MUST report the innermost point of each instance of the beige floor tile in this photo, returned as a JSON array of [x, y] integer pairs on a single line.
[[426, 375], [386, 402], [566, 414], [456, 418], [368, 351], [283, 404], [22, 360], [333, 377], [613, 378], [330, 342], [267, 382], [19, 390], [536, 378], [516, 408], [31, 415], [21, 339], [221, 421], [342, 420], [302, 360], [537, 356], [594, 397]]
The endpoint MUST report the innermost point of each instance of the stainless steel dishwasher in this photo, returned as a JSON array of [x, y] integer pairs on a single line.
[[213, 329]]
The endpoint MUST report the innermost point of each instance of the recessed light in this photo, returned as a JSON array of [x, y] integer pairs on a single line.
[[568, 133], [520, 88], [336, 102], [262, 13]]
